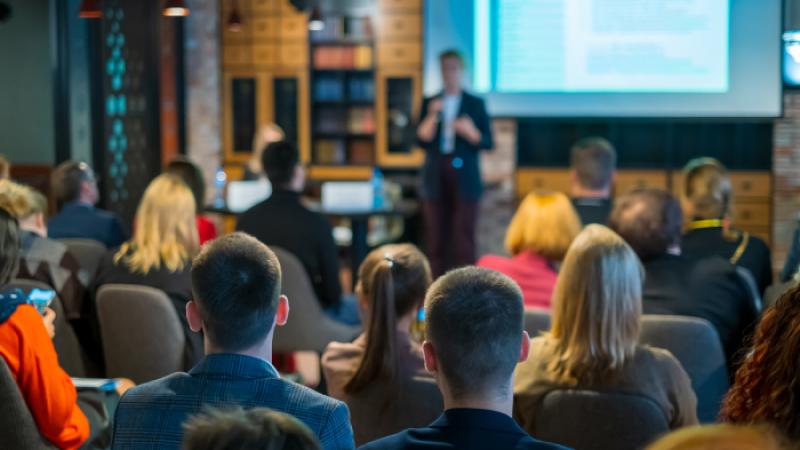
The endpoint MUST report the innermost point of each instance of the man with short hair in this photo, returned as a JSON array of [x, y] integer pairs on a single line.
[[283, 221], [237, 304], [75, 188], [474, 340], [651, 220], [593, 161]]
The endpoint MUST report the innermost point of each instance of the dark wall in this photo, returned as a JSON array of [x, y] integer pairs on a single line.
[[649, 144]]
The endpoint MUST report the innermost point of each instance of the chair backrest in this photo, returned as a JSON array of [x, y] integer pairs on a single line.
[[536, 322], [415, 402], [68, 348], [774, 292], [589, 420], [308, 328], [142, 336], [17, 427], [88, 252], [695, 343]]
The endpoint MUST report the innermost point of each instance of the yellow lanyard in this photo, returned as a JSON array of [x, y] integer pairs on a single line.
[[707, 223], [717, 223]]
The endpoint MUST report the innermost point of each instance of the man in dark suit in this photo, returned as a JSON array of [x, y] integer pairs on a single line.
[[650, 221], [75, 188], [237, 305], [453, 129], [592, 164], [475, 339], [283, 221]]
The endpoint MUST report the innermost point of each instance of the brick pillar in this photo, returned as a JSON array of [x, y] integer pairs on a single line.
[[203, 96], [786, 174]]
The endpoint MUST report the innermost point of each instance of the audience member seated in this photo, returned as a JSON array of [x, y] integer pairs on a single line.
[[707, 200], [374, 373], [192, 176], [266, 134], [237, 305], [593, 343], [593, 161], [792, 264], [283, 221], [538, 238], [65, 418], [721, 437], [765, 387], [160, 253], [75, 188], [240, 429], [475, 337], [710, 288], [44, 259]]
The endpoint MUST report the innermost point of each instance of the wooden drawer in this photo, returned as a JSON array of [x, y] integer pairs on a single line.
[[530, 180], [751, 214], [751, 184], [237, 55], [400, 27], [764, 233], [629, 180], [293, 55], [399, 54], [266, 54], [265, 28], [293, 28], [237, 37], [261, 7], [401, 5]]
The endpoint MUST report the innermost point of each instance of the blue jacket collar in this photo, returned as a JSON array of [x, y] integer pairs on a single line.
[[233, 366], [10, 299]]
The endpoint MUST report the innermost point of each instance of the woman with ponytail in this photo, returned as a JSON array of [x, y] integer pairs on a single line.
[[381, 374]]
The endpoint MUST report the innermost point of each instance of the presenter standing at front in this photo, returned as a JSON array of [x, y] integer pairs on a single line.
[[453, 129]]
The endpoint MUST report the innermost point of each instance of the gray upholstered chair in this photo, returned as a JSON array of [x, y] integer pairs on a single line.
[[536, 322], [142, 336], [774, 292], [68, 348], [416, 402], [591, 420], [17, 427], [695, 343], [88, 252], [308, 328]]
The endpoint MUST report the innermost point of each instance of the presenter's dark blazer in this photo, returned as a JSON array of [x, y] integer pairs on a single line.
[[466, 157]]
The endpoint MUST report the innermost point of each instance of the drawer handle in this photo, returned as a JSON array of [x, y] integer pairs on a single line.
[[746, 185]]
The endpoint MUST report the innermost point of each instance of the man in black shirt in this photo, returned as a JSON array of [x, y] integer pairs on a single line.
[[283, 221], [592, 164], [650, 221]]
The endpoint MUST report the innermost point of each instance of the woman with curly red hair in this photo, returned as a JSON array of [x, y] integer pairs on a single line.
[[767, 386]]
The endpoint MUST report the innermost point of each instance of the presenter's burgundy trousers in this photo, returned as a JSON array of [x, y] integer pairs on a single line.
[[450, 223]]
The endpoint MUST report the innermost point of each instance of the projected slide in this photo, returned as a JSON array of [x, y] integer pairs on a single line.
[[647, 46]]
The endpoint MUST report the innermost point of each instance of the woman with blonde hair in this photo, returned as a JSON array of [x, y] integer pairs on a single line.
[[538, 237], [721, 437], [160, 252], [267, 133], [593, 343], [707, 199]]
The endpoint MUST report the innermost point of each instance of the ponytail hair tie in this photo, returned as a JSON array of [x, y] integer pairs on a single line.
[[390, 259]]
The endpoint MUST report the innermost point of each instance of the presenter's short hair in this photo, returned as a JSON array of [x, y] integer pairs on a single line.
[[594, 160], [451, 54], [236, 281], [474, 319]]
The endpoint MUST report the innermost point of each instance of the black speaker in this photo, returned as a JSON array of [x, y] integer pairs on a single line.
[[301, 5], [5, 12]]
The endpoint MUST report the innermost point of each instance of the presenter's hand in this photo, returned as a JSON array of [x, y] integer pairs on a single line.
[[435, 107], [465, 127]]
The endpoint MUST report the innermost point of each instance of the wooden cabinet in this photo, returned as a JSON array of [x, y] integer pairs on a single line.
[[399, 54], [630, 180], [398, 95], [413, 6], [400, 27], [535, 179]]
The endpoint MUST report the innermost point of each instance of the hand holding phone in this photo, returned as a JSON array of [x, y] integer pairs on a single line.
[[41, 299]]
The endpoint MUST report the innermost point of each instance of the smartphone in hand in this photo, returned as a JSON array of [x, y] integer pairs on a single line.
[[41, 299]]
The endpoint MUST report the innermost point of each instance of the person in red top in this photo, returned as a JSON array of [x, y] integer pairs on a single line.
[[538, 237], [27, 348], [191, 174]]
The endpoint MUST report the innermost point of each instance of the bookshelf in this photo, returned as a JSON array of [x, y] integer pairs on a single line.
[[342, 74]]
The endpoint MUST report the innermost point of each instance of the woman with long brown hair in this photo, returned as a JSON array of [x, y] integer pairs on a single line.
[[374, 373], [766, 387]]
